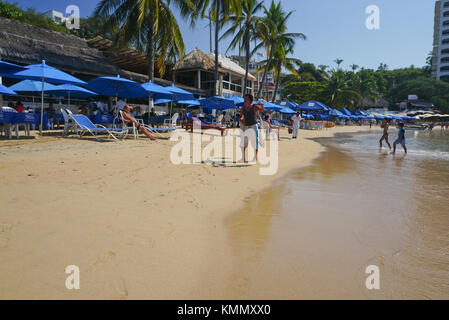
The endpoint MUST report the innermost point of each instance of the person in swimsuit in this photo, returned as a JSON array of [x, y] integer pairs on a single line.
[[248, 116], [400, 139], [128, 118], [385, 125]]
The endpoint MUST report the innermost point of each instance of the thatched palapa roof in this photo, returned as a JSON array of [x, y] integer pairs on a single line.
[[198, 60], [26, 44]]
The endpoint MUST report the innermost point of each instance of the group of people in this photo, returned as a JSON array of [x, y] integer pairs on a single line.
[[400, 139]]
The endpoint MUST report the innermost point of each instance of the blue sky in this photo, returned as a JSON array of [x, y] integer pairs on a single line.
[[334, 29]]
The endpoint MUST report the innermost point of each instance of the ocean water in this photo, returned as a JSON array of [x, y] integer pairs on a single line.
[[314, 233]]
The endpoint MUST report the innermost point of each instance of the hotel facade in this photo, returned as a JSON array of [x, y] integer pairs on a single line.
[[440, 59]]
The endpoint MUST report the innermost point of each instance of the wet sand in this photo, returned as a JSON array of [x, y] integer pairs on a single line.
[[312, 235]]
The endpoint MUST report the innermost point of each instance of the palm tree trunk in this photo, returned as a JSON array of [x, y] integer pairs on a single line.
[[278, 78], [246, 64], [151, 54], [217, 31], [265, 73]]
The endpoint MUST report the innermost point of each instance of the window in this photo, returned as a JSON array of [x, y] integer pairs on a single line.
[[445, 51], [442, 69], [445, 41]]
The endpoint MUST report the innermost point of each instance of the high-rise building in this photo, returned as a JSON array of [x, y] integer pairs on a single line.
[[440, 59]]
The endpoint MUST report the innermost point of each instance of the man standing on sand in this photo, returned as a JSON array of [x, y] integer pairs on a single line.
[[248, 121], [385, 125], [296, 123]]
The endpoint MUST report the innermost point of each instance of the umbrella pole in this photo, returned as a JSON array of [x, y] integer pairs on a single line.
[[42, 107], [69, 97]]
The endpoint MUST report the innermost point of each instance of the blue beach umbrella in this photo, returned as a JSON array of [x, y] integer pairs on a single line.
[[117, 87], [236, 99], [31, 86], [43, 72], [161, 101], [180, 94], [70, 90], [7, 68], [156, 92], [287, 111], [218, 103], [6, 90], [189, 103]]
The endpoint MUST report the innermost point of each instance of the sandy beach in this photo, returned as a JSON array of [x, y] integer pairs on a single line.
[[137, 226]]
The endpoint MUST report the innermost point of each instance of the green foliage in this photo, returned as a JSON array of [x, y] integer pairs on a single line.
[[9, 11], [30, 16], [428, 89], [303, 91]]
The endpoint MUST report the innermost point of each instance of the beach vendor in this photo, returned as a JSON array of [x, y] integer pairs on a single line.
[[296, 123], [128, 118], [248, 116], [385, 125], [400, 139]]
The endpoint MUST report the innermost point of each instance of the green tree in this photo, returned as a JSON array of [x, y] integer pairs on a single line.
[[273, 30], [244, 26], [147, 25], [303, 91], [220, 11], [338, 91]]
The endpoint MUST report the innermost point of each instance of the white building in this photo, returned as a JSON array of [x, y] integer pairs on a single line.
[[56, 16], [440, 61]]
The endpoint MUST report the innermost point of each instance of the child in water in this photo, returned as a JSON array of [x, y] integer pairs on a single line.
[[400, 139]]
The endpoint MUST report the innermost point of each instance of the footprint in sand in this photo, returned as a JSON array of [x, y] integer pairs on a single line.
[[103, 259], [121, 288]]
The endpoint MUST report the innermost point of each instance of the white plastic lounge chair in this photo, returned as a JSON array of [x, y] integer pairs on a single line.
[[85, 125], [68, 123], [156, 131], [219, 120], [172, 121]]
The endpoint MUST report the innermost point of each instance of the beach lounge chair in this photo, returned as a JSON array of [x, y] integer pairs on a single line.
[[83, 124], [68, 123], [159, 132], [204, 126], [171, 122]]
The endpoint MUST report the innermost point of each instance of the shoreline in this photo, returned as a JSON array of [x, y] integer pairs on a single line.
[[128, 219]]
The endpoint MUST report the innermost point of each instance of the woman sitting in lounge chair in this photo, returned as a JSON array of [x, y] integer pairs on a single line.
[[128, 118]]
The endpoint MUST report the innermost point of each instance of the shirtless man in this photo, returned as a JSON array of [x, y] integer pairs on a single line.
[[128, 118], [385, 125]]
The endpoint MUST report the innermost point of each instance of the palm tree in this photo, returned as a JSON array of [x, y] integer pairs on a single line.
[[272, 30], [246, 26], [219, 11], [338, 62], [147, 25], [354, 67], [338, 90]]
